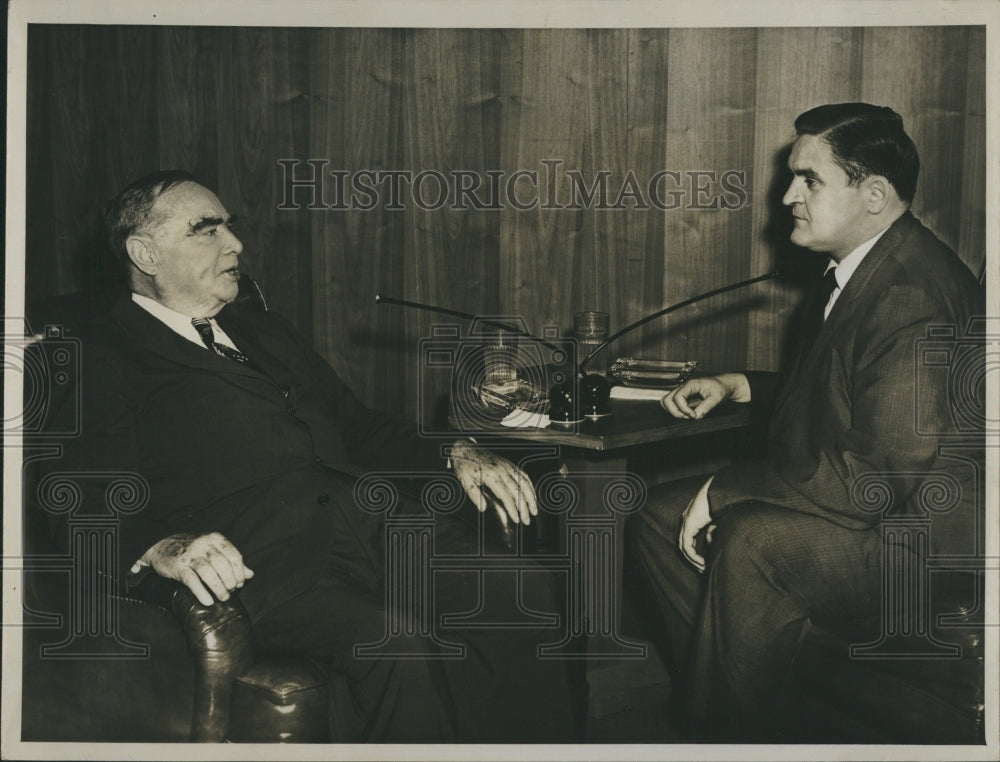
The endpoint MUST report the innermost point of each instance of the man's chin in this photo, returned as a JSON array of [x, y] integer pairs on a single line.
[[799, 238], [229, 293]]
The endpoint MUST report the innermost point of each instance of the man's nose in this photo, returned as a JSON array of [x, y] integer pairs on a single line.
[[233, 244], [792, 195]]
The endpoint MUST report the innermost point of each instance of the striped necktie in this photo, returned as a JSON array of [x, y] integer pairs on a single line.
[[204, 328]]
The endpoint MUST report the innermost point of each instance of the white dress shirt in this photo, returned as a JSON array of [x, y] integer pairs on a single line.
[[846, 268], [181, 324]]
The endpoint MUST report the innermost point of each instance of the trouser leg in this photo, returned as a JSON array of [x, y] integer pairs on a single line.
[[738, 626], [772, 573], [673, 585], [390, 700], [500, 690], [505, 689]]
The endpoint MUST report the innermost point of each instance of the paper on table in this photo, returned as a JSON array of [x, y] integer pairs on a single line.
[[525, 419], [636, 393]]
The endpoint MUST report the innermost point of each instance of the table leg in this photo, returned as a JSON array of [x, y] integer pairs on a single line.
[[596, 496]]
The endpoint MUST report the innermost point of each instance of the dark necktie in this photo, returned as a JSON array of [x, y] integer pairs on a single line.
[[814, 316], [204, 328]]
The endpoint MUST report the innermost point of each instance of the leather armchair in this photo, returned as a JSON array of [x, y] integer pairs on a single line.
[[218, 641], [919, 687], [192, 665], [153, 664]]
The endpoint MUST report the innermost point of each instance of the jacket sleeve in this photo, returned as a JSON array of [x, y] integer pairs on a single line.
[[878, 435], [98, 462], [377, 439], [763, 390], [373, 438]]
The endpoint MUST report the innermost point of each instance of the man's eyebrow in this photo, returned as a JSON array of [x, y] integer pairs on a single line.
[[806, 172], [208, 222]]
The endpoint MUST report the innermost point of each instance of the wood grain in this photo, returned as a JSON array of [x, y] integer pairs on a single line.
[[929, 93], [710, 128], [796, 70], [565, 121], [644, 244], [107, 104]]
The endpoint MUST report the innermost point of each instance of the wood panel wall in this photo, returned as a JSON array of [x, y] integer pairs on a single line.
[[108, 104]]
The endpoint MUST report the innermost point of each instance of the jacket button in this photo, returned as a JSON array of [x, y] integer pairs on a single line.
[[323, 499]]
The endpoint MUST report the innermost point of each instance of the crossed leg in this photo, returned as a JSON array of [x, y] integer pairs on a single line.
[[733, 631]]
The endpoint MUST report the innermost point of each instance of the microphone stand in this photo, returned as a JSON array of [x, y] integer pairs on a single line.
[[379, 299], [594, 389], [671, 308]]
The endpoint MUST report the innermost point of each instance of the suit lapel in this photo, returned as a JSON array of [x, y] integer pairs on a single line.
[[248, 329], [856, 290], [150, 334]]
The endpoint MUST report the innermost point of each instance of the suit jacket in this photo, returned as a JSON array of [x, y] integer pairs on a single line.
[[861, 417], [266, 454]]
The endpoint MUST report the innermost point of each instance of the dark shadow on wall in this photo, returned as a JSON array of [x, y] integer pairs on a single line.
[[97, 267]]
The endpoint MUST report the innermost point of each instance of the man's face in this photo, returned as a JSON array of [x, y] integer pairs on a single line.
[[196, 251], [830, 215]]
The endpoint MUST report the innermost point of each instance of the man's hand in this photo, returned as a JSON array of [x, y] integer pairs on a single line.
[[696, 397], [484, 475], [695, 518], [204, 563]]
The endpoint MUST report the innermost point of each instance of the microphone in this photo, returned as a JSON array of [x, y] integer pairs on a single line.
[[379, 299], [588, 393], [593, 391], [671, 308]]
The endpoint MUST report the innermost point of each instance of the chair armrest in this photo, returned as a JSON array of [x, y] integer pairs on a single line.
[[218, 638]]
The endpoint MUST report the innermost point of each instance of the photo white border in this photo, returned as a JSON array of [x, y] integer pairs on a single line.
[[457, 14]]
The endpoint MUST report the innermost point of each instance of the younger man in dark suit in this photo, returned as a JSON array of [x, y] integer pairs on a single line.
[[767, 547]]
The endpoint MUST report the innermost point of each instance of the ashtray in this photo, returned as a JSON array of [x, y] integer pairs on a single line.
[[512, 395], [651, 374]]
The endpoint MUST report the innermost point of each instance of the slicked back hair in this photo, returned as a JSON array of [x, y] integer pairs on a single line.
[[866, 140], [132, 209]]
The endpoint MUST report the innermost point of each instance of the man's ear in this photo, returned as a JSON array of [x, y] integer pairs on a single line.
[[878, 192], [142, 254]]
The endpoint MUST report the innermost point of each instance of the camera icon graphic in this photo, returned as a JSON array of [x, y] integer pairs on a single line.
[[959, 361], [494, 367], [49, 366]]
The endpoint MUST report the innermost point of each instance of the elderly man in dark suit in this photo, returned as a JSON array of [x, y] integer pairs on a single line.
[[768, 546], [250, 445]]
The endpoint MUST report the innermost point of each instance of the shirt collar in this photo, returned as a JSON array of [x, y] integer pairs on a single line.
[[843, 271], [175, 321]]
